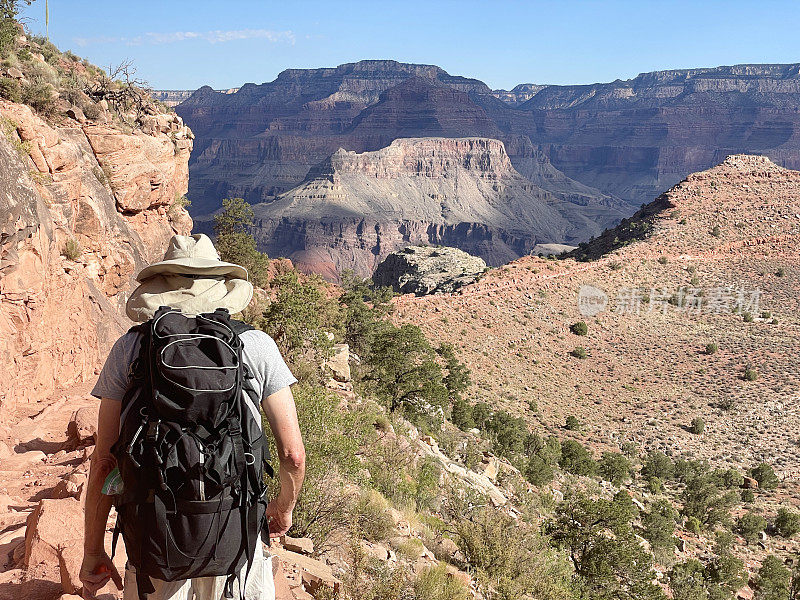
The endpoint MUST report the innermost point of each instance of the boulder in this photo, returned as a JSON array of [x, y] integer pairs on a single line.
[[15, 73], [750, 483], [82, 428], [74, 112], [69, 566], [299, 545], [425, 270], [339, 363], [54, 540], [314, 574]]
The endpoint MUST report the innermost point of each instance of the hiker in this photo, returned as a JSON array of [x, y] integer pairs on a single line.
[[180, 451]]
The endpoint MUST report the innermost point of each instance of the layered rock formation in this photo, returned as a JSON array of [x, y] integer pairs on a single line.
[[82, 208], [263, 139], [354, 209], [598, 143], [425, 270]]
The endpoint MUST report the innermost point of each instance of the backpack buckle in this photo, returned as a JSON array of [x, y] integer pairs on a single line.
[[152, 431]]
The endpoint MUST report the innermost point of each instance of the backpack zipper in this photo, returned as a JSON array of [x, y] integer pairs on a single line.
[[202, 478]]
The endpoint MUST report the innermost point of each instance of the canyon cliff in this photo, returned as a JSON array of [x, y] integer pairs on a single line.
[[83, 206], [617, 144], [354, 209], [263, 139]]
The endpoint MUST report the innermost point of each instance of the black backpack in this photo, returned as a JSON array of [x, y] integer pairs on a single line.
[[191, 452]]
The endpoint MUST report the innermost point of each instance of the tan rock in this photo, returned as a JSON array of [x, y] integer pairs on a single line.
[[53, 526], [339, 363], [15, 73], [314, 574], [70, 556], [750, 483], [82, 428], [74, 112], [300, 545]]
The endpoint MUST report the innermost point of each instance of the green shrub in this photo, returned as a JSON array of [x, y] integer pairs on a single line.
[[597, 536], [538, 472], [572, 423], [372, 516], [732, 479], [750, 374], [38, 95], [579, 352], [658, 464], [659, 525], [787, 523], [716, 231], [698, 425], [750, 525], [781, 272], [773, 579], [434, 583], [747, 317], [234, 242], [615, 265], [748, 496], [579, 328], [72, 250], [576, 459], [332, 440], [703, 500], [662, 260], [461, 415], [10, 89], [512, 556], [614, 467], [765, 476], [711, 348], [693, 525], [655, 485]]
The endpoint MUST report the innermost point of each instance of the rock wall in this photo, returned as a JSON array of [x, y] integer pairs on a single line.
[[354, 209], [112, 197], [622, 142]]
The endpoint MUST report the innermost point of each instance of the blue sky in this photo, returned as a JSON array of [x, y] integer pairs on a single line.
[[179, 44]]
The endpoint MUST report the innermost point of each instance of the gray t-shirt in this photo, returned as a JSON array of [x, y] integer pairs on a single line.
[[260, 352]]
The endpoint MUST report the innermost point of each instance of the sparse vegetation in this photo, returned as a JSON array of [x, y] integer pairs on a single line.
[[579, 328], [711, 348], [787, 523], [698, 425], [750, 525], [765, 476], [579, 352], [572, 423], [71, 250], [750, 374]]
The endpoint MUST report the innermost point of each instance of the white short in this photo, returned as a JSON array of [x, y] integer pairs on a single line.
[[260, 584]]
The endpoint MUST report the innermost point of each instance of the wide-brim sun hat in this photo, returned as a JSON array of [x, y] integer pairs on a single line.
[[192, 279], [192, 255]]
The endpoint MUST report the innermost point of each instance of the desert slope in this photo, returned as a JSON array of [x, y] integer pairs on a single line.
[[683, 273], [354, 209]]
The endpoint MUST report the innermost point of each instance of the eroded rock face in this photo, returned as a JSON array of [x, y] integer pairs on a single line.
[[104, 198], [425, 270], [354, 209], [628, 140], [263, 139]]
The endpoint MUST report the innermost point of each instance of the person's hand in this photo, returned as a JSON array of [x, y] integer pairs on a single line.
[[96, 570], [279, 519]]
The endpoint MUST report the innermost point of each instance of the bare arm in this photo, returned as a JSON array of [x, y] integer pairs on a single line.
[[92, 574], [282, 416]]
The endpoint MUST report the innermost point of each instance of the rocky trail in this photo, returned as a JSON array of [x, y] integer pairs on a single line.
[[44, 464]]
